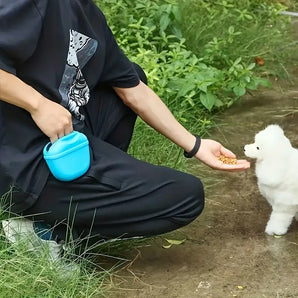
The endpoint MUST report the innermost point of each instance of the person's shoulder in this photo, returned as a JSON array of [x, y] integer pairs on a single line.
[[16, 6], [19, 3], [95, 7]]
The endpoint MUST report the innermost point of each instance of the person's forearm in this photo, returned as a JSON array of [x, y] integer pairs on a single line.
[[144, 102], [52, 118], [16, 92]]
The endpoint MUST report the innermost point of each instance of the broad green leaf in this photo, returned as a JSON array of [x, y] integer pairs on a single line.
[[204, 85], [237, 61], [219, 103], [184, 89], [252, 85], [164, 22], [264, 82], [251, 66], [239, 91], [208, 100], [177, 13]]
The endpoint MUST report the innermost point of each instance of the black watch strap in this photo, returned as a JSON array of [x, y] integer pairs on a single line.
[[195, 149]]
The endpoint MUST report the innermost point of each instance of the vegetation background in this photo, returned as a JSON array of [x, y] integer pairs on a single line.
[[200, 57]]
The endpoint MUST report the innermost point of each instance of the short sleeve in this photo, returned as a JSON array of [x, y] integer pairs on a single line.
[[118, 69], [20, 27]]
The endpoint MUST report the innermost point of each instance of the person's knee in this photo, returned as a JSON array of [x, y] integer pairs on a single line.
[[140, 73], [196, 197], [192, 200]]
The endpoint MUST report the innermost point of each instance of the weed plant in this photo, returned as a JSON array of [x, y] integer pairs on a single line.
[[23, 274], [85, 268], [228, 30], [199, 58], [30, 273]]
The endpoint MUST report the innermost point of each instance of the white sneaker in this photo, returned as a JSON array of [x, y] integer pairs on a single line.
[[36, 236]]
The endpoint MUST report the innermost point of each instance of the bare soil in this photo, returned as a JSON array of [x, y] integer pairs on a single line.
[[226, 252]]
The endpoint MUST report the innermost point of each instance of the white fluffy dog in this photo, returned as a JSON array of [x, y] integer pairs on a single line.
[[277, 173]]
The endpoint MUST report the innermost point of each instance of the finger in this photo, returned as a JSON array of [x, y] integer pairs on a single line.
[[224, 151], [242, 161], [68, 130], [61, 134], [54, 139]]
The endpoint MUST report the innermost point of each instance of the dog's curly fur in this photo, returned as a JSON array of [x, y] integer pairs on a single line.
[[277, 174]]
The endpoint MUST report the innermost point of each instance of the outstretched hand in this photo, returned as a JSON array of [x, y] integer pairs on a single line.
[[209, 154]]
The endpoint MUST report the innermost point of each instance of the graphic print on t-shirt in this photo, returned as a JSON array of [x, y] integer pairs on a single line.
[[73, 88]]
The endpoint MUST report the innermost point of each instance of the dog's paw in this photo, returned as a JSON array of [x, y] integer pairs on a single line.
[[275, 230]]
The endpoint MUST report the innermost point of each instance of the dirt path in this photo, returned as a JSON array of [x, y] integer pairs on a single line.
[[226, 252]]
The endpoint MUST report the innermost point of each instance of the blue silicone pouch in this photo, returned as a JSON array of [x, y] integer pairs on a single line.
[[68, 158]]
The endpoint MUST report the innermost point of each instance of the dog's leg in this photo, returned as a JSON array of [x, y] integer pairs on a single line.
[[279, 221]]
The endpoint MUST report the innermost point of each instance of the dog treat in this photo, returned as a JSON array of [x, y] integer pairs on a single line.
[[228, 160]]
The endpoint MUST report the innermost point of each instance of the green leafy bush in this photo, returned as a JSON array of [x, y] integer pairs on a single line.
[[198, 55], [194, 52]]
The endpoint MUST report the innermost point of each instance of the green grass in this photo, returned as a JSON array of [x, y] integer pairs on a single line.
[[258, 28], [174, 40], [24, 273], [222, 31], [168, 38], [27, 273]]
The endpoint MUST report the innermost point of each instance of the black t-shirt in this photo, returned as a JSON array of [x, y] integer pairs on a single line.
[[63, 49]]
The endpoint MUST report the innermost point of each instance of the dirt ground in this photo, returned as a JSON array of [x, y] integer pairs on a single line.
[[226, 252]]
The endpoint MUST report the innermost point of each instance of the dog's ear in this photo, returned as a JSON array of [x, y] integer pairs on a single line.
[[272, 134], [274, 129]]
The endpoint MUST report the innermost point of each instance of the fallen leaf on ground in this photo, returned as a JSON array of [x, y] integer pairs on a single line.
[[173, 242]]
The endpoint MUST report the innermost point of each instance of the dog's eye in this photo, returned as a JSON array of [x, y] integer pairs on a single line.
[[258, 148]]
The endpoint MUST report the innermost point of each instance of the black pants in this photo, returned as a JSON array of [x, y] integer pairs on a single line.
[[119, 196]]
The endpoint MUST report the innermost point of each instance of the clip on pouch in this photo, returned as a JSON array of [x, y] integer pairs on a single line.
[[68, 158]]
